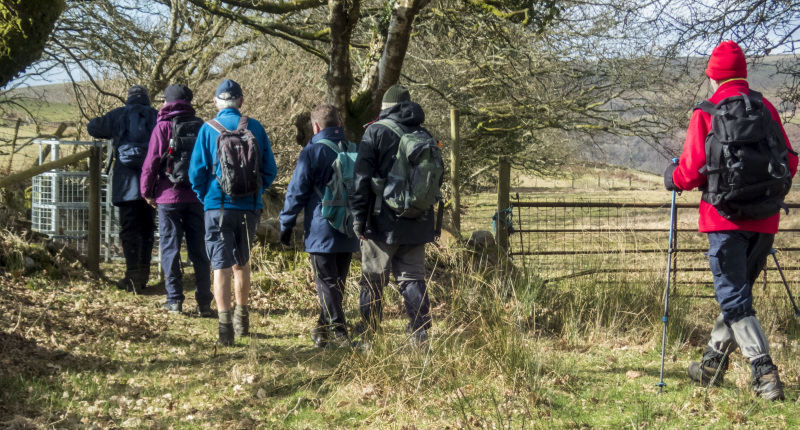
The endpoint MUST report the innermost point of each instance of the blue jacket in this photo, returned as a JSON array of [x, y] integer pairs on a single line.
[[314, 170], [203, 179], [124, 180]]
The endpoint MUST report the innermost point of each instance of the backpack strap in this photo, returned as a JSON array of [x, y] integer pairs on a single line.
[[748, 105], [709, 108], [173, 130], [335, 149], [379, 184], [391, 125], [216, 125], [243, 122], [330, 145]]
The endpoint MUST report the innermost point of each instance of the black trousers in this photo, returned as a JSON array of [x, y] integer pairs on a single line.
[[137, 222], [330, 275]]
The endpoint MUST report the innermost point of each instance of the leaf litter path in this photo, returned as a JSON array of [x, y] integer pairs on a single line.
[[77, 353]]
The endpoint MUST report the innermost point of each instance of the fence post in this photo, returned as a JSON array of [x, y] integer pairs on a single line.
[[503, 202], [455, 166], [13, 144], [94, 208]]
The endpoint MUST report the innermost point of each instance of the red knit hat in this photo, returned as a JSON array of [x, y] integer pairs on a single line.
[[727, 62]]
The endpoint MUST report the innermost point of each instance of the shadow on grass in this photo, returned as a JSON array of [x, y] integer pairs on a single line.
[[27, 371]]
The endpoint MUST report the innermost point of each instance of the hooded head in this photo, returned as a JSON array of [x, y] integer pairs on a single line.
[[727, 62], [138, 94], [394, 95], [176, 92]]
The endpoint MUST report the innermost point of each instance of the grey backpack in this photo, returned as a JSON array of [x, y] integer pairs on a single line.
[[239, 160]]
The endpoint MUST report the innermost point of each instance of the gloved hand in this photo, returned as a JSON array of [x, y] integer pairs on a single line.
[[668, 183], [285, 237]]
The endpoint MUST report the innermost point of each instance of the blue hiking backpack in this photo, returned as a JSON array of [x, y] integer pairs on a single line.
[[135, 125], [335, 206]]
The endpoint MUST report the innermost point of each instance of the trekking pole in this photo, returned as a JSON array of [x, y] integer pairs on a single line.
[[670, 251], [785, 284]]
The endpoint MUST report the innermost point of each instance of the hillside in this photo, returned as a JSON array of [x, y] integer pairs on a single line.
[[53, 93]]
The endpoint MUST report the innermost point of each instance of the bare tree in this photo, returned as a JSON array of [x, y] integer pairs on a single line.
[[761, 27], [379, 33], [107, 45], [598, 74]]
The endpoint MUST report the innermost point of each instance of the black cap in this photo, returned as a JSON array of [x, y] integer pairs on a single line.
[[178, 92]]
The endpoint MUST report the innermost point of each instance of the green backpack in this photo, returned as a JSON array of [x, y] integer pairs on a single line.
[[412, 186], [335, 207]]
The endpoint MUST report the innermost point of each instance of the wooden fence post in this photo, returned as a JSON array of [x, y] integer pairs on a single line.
[[94, 207], [455, 166], [13, 144], [503, 202]]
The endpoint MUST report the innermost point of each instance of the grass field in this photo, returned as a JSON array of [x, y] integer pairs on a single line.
[[48, 115], [507, 351]]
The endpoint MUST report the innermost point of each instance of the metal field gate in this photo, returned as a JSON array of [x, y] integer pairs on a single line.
[[567, 238]]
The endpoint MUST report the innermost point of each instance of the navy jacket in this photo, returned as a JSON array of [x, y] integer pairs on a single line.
[[124, 180], [314, 170], [375, 159]]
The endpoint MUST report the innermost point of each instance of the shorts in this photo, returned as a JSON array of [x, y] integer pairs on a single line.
[[229, 244]]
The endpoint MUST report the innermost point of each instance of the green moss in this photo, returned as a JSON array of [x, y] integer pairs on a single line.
[[24, 28]]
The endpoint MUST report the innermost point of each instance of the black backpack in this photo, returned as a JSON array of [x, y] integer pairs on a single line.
[[747, 160], [239, 160], [135, 125], [175, 160]]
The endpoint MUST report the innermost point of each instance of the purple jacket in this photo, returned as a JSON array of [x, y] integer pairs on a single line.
[[151, 183]]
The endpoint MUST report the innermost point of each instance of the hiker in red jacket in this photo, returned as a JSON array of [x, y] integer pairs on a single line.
[[740, 223]]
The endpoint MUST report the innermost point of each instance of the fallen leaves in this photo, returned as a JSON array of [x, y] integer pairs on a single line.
[[633, 374]]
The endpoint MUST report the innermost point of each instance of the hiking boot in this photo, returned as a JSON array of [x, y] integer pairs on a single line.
[[204, 311], [769, 386], [705, 374], [225, 334], [339, 340], [241, 320], [366, 336], [173, 308], [137, 284], [419, 340], [706, 371], [319, 335], [124, 284]]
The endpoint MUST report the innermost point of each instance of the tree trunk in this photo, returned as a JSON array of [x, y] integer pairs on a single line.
[[25, 26], [343, 16], [396, 46]]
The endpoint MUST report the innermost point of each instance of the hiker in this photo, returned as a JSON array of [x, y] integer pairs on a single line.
[[165, 182], [393, 239], [231, 167], [330, 246], [130, 128], [740, 229]]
